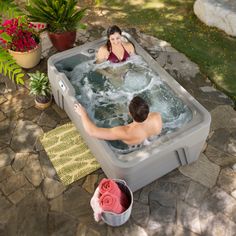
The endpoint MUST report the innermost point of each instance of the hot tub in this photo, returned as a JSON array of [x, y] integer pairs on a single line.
[[139, 167]]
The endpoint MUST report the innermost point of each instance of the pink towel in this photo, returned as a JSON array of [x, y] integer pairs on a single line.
[[110, 202], [110, 186]]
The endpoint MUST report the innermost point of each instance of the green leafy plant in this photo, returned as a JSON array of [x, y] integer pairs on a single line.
[[40, 86], [60, 15], [9, 9], [8, 66]]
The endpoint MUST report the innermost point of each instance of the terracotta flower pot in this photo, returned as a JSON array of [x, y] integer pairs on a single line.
[[62, 41], [27, 59], [42, 106]]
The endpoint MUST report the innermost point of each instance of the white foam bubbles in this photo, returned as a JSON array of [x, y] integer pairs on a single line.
[[107, 88]]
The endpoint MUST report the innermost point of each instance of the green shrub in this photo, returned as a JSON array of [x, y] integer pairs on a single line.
[[60, 15]]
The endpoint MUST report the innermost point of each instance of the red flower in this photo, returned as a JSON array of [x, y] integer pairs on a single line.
[[22, 37]]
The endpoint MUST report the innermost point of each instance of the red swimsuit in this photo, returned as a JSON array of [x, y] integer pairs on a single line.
[[113, 58]]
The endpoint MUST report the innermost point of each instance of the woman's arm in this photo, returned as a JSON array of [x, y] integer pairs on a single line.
[[102, 54]]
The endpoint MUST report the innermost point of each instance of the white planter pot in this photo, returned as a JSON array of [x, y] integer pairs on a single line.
[[27, 59]]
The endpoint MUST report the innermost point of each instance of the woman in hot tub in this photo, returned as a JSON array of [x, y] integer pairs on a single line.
[[115, 50], [145, 124]]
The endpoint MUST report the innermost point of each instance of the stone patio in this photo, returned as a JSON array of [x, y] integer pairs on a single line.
[[198, 199]]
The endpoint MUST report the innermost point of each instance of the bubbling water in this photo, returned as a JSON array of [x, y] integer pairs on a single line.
[[106, 89]]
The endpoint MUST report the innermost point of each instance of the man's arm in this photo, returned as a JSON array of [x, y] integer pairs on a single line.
[[115, 133]]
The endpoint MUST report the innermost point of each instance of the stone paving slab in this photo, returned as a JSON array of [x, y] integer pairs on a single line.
[[224, 140], [7, 155], [24, 136], [219, 120], [198, 199], [202, 171]]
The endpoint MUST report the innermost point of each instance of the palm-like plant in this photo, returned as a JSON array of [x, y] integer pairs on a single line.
[[9, 68], [60, 15], [40, 86], [9, 9]]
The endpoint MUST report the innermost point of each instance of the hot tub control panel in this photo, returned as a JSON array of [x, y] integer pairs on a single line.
[[62, 85]]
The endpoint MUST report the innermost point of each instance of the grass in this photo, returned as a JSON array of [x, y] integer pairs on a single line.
[[174, 21]]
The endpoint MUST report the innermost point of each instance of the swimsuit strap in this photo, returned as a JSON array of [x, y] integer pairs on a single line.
[[126, 54], [113, 58]]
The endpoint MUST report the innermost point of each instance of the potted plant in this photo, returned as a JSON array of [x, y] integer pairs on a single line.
[[21, 41], [40, 87], [62, 18], [8, 65]]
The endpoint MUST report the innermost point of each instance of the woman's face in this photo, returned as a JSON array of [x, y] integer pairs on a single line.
[[115, 38]]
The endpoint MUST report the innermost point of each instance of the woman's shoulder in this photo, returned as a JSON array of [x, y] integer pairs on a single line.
[[103, 48], [102, 54], [128, 46]]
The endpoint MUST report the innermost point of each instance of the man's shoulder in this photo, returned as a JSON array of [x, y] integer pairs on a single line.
[[155, 115], [121, 132]]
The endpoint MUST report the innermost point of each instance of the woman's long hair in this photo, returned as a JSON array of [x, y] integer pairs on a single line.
[[111, 30]]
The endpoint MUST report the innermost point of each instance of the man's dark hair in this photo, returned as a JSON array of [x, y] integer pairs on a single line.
[[111, 30], [138, 109]]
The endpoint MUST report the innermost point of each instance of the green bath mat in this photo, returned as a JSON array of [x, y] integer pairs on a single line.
[[68, 153]]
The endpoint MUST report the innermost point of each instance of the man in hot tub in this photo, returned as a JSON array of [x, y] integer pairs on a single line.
[[145, 124]]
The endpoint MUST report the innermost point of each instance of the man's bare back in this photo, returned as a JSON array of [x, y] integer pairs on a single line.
[[144, 124]]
